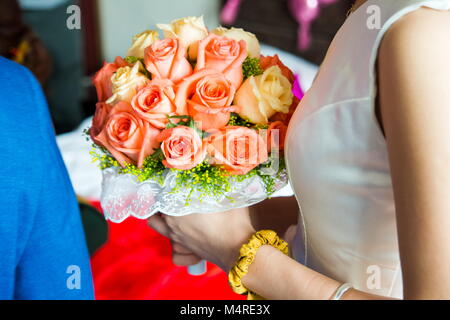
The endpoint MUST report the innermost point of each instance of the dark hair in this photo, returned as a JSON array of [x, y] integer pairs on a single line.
[[11, 26], [16, 36]]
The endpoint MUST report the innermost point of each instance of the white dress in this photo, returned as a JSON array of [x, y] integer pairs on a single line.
[[338, 163]]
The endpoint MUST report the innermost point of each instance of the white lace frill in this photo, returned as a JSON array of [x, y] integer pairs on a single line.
[[124, 196]]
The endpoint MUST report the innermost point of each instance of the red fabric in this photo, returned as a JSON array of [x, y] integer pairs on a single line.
[[136, 264]]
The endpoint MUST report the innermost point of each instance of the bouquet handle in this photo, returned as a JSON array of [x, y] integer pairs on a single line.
[[197, 269]]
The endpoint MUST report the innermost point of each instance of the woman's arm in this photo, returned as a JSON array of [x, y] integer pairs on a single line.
[[414, 69], [273, 275]]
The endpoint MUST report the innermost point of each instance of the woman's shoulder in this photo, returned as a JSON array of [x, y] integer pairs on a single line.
[[414, 69], [420, 38], [423, 28]]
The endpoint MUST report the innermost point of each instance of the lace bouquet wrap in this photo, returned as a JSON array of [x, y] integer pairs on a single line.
[[193, 122]]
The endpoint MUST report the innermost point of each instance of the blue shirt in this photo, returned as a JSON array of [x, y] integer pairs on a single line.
[[43, 252]]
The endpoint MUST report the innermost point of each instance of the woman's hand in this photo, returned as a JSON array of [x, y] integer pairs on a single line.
[[180, 255], [214, 237]]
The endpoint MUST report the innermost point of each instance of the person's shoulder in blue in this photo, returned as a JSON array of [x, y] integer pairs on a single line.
[[43, 252]]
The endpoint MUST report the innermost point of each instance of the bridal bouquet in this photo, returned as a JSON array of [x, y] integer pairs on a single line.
[[190, 123]]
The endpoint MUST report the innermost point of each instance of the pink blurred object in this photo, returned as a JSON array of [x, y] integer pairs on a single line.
[[230, 11], [304, 11], [297, 89]]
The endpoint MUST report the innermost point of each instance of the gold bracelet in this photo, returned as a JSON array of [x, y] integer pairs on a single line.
[[247, 254]]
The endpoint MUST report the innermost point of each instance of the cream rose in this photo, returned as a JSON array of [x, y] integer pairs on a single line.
[[189, 30], [262, 96], [102, 79], [125, 83], [253, 47], [142, 41]]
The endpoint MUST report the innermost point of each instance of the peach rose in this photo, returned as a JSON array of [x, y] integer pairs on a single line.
[[189, 30], [224, 55], [206, 96], [280, 128], [253, 47], [166, 59], [129, 138], [237, 149], [267, 62], [102, 79], [102, 111], [182, 147], [155, 102]]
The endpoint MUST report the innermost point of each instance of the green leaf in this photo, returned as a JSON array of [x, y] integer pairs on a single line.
[[251, 67], [133, 59], [205, 179], [180, 117], [237, 120], [143, 70]]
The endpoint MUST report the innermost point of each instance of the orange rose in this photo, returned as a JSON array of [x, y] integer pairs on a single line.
[[206, 96], [224, 55], [280, 128], [102, 79], [267, 62], [128, 137], [102, 111], [155, 102], [166, 59], [237, 149], [182, 148]]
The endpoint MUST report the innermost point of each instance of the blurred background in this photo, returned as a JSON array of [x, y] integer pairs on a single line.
[[64, 42]]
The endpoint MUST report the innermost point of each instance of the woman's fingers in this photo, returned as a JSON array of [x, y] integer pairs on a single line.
[[182, 256], [185, 259], [178, 248], [158, 223]]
